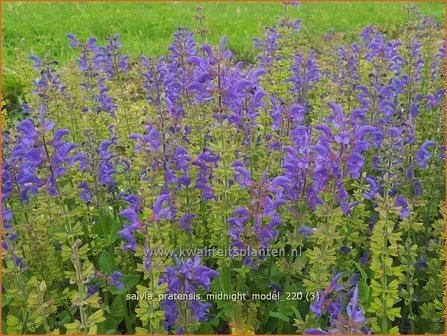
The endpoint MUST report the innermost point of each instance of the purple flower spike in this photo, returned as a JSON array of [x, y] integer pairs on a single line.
[[243, 178], [316, 332], [423, 155], [38, 63], [334, 282], [404, 212], [354, 313], [74, 41], [186, 278], [27, 128], [373, 189], [185, 222], [160, 211], [115, 280], [86, 194], [306, 230], [326, 130]]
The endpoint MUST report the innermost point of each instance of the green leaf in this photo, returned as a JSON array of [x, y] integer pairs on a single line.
[[129, 282], [13, 325], [205, 328], [279, 315], [73, 328], [284, 306], [5, 301], [96, 317], [297, 313], [109, 326], [225, 310], [214, 322], [106, 263], [364, 289], [242, 271], [116, 308]]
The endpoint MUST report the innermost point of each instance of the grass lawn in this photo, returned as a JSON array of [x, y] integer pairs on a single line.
[[146, 28]]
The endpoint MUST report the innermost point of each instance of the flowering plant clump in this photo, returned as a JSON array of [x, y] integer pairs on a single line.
[[303, 193]]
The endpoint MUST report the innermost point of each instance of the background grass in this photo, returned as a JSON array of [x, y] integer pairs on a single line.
[[146, 28], [40, 28]]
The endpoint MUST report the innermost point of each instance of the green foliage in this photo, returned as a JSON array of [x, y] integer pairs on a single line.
[[72, 249]]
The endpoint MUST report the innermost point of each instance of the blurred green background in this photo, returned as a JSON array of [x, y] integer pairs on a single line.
[[146, 27], [40, 28]]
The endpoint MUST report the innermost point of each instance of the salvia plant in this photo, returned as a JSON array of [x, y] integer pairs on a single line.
[[302, 193]]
